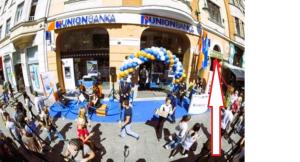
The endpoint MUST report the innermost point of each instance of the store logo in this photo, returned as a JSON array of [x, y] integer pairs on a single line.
[[85, 20], [163, 22]]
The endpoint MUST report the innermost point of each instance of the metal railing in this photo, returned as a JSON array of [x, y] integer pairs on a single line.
[[31, 18]]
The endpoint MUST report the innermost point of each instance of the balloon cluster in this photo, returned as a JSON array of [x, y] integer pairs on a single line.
[[152, 54]]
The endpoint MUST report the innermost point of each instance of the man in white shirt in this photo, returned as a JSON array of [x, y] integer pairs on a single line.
[[226, 120], [163, 112], [39, 102]]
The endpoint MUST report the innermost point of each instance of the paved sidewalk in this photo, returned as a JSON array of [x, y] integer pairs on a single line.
[[146, 148]]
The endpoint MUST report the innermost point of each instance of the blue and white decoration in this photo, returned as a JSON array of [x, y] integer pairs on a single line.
[[152, 54]]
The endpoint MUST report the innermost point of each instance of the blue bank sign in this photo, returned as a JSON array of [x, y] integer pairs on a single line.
[[167, 23], [85, 20]]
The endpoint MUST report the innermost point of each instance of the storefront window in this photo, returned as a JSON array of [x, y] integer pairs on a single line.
[[8, 70], [89, 49], [33, 66], [177, 43]]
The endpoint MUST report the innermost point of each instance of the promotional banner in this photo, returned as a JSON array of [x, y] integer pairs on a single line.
[[198, 104], [48, 82]]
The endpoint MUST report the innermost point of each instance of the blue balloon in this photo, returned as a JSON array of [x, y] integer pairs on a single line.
[[167, 61], [121, 68], [126, 67], [174, 68], [143, 58], [131, 56]]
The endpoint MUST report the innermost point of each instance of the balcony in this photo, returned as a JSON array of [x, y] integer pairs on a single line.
[[24, 32], [216, 54]]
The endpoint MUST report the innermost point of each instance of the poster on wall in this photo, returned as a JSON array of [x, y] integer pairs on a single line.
[[198, 104], [34, 76], [92, 67], [48, 80]]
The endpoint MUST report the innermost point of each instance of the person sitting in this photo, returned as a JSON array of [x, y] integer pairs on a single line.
[[82, 91], [59, 98], [100, 90], [95, 102]]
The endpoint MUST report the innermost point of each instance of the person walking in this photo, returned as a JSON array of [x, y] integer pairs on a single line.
[[5, 92], [190, 138], [11, 90], [20, 115], [30, 142], [48, 125], [76, 151], [9, 151], [180, 131], [124, 92], [39, 102], [163, 112], [226, 120], [11, 126], [126, 126], [172, 97]]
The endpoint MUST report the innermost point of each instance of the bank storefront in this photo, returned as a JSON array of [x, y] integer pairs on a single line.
[[88, 45]]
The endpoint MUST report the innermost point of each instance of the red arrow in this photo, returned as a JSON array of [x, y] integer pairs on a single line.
[[216, 103]]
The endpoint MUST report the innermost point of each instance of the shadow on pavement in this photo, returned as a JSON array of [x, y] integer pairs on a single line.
[[153, 123], [141, 160], [65, 129], [167, 133], [99, 149]]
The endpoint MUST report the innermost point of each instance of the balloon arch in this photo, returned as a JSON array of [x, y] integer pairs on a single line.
[[152, 54]]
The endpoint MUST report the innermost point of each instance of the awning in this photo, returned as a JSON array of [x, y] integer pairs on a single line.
[[238, 72]]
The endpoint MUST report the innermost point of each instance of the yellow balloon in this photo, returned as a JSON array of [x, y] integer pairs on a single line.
[[130, 70], [172, 62], [126, 72], [149, 56], [184, 75], [121, 75], [152, 58], [136, 54], [143, 54]]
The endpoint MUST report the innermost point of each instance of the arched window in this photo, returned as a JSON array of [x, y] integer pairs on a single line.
[[217, 48]]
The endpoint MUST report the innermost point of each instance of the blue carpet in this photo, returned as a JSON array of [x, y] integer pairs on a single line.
[[142, 111]]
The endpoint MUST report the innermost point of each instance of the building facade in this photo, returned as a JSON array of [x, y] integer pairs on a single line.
[[74, 39], [22, 42]]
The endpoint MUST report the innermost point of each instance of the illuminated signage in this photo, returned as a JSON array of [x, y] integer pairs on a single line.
[[167, 23], [85, 20]]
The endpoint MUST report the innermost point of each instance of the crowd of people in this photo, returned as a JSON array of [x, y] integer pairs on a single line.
[[26, 126]]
